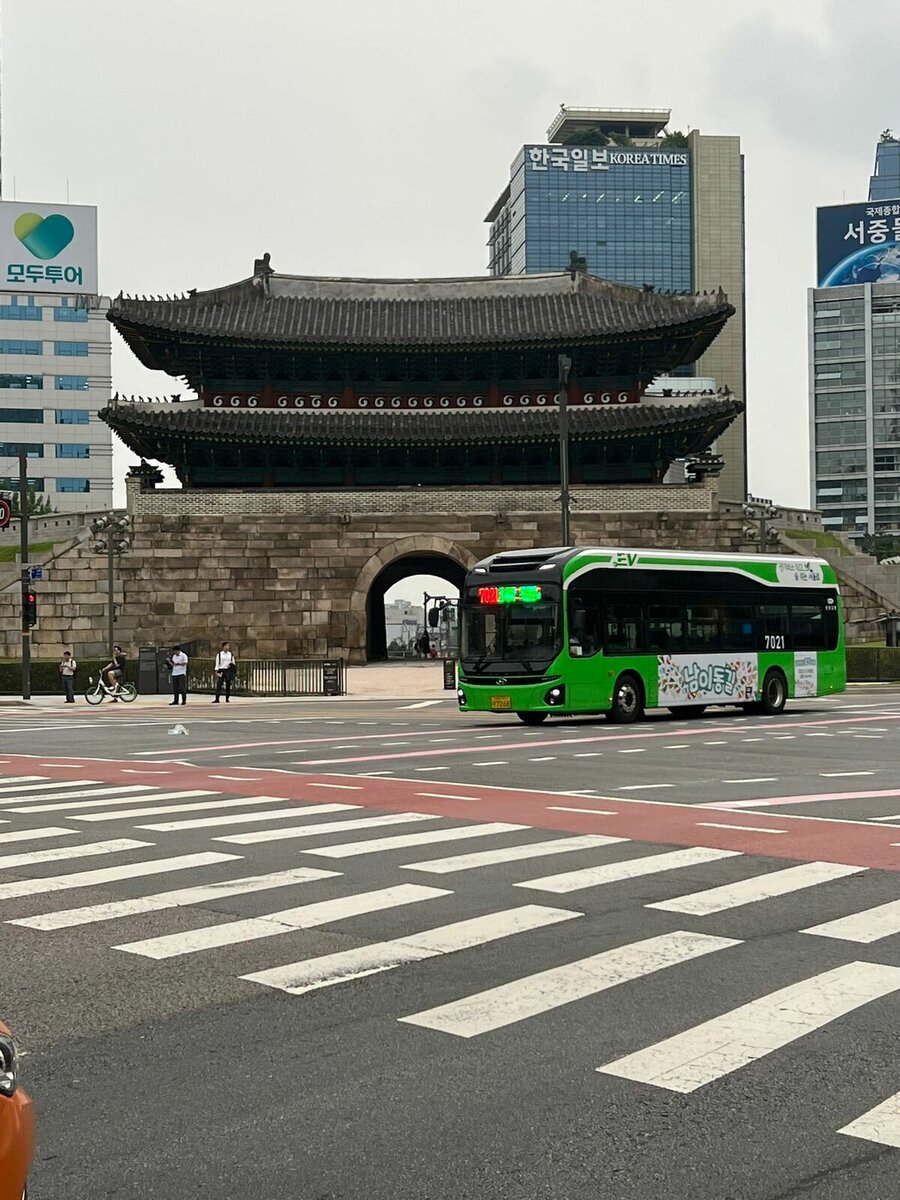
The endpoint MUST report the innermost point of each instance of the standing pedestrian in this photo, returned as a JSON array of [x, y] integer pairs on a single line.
[[67, 667], [179, 661], [226, 669]]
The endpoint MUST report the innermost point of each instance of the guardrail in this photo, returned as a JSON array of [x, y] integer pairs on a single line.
[[873, 664]]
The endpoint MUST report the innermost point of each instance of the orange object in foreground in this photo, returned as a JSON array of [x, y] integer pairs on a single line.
[[16, 1124]]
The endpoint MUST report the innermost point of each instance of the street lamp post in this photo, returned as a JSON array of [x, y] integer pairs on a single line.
[[565, 366], [113, 536], [762, 511]]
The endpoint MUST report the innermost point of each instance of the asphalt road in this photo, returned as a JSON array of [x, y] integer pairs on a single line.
[[382, 949]]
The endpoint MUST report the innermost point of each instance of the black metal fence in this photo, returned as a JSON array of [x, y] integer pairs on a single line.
[[255, 676]]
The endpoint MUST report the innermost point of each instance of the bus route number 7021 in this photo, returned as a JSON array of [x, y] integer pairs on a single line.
[[774, 641]]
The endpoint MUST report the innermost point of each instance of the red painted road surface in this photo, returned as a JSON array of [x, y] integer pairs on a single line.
[[801, 838]]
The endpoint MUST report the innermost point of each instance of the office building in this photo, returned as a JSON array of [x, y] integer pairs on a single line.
[[885, 181], [54, 356], [642, 206]]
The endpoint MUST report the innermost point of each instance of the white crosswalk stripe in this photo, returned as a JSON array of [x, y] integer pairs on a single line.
[[401, 841], [288, 920], [10, 779], [302, 831], [114, 909], [78, 793], [880, 1124], [867, 926], [160, 810], [490, 858], [45, 787], [33, 835], [60, 853], [630, 868], [288, 812], [330, 969], [701, 1055], [103, 875], [81, 804], [535, 994], [760, 887]]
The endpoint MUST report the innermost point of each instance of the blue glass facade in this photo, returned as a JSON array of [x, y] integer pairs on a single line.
[[885, 182], [628, 211]]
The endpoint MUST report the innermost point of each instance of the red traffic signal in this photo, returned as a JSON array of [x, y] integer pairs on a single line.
[[5, 513], [29, 608]]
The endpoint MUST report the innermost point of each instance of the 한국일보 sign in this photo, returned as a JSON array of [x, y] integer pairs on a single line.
[[707, 678], [48, 248]]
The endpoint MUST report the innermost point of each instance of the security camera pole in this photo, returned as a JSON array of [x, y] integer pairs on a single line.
[[565, 366], [26, 574], [113, 538], [762, 511]]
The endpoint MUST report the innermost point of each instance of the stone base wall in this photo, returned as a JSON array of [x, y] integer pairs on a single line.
[[295, 584]]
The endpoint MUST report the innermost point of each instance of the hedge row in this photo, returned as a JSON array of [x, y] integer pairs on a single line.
[[873, 664], [45, 680]]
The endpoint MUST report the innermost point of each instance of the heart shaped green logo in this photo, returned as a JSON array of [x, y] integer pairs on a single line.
[[45, 237]]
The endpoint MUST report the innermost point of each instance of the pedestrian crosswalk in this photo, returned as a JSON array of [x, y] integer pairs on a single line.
[[483, 964]]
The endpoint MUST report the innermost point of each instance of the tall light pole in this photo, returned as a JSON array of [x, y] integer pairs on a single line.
[[762, 511], [27, 609], [565, 366], [113, 537]]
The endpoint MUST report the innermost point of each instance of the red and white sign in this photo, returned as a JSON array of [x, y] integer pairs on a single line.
[[446, 400], [5, 513]]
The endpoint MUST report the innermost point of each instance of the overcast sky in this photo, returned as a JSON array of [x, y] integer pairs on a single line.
[[370, 138]]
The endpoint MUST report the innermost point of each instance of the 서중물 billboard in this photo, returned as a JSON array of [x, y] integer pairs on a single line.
[[858, 243], [48, 247]]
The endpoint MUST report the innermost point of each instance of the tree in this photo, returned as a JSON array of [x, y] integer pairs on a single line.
[[888, 135], [590, 137], [620, 139], [676, 140], [880, 545], [38, 504]]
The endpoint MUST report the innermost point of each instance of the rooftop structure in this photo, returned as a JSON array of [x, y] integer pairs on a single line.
[[638, 124]]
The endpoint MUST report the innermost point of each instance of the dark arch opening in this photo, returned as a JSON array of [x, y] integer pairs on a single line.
[[402, 568]]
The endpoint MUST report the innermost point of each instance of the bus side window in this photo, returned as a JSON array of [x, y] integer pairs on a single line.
[[620, 626], [808, 626], [665, 628], [774, 633], [738, 627], [584, 624]]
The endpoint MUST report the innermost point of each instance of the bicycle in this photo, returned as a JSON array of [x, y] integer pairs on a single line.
[[99, 690]]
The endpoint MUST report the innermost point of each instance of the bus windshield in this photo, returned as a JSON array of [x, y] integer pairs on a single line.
[[516, 635]]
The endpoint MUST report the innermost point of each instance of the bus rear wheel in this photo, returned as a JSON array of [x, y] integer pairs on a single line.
[[774, 693], [532, 718], [627, 700]]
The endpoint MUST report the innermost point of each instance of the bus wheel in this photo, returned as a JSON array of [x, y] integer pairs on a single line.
[[627, 700], [688, 710], [532, 718], [774, 693]]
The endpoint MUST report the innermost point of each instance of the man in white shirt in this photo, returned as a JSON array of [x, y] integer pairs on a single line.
[[67, 668], [179, 661], [226, 669]]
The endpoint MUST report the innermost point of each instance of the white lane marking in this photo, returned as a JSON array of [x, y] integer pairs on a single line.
[[678, 746], [761, 887], [589, 754], [177, 898], [709, 1051], [758, 739], [546, 758], [421, 769], [331, 969], [877, 736], [487, 858], [46, 787], [643, 787], [80, 804], [715, 743], [420, 704], [58, 854], [497, 1007], [83, 879], [500, 762], [631, 868], [402, 840], [445, 796], [639, 750], [747, 828], [595, 812], [301, 831], [880, 1124], [784, 737], [10, 779], [754, 779], [869, 925], [375, 774], [230, 778], [31, 835], [159, 810], [288, 920], [843, 774], [241, 755], [818, 735], [289, 813], [339, 787]]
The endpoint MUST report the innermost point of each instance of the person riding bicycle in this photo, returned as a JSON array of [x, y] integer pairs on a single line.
[[115, 670]]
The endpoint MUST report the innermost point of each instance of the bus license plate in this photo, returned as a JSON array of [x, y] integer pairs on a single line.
[[501, 702]]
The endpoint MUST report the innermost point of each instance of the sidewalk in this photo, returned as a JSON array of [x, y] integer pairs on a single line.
[[403, 680]]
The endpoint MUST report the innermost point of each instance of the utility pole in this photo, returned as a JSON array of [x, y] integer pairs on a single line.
[[762, 511], [565, 366], [26, 574], [113, 537]]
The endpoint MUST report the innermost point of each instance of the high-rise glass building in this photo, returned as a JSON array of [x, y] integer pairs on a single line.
[[644, 207], [884, 183]]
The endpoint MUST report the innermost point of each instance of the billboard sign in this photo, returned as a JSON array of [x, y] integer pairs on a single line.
[[48, 247], [858, 243]]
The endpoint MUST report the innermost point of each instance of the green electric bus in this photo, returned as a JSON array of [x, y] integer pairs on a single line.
[[597, 630]]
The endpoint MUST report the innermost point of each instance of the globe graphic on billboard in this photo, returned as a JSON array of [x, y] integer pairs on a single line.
[[871, 264]]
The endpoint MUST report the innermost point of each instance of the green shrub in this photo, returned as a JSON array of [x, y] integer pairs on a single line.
[[45, 680]]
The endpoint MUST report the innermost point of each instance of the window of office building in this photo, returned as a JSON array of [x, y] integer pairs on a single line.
[[72, 450], [21, 416], [22, 383], [73, 485], [852, 519], [13, 449], [887, 491], [11, 483], [69, 312], [72, 416], [829, 313], [887, 460], [887, 429], [71, 349], [841, 404], [840, 374], [886, 339], [19, 346], [887, 399], [887, 516], [72, 383], [841, 433], [840, 343], [885, 371], [20, 312], [840, 491], [841, 462]]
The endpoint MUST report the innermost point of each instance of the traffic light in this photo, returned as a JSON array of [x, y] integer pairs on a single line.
[[29, 608]]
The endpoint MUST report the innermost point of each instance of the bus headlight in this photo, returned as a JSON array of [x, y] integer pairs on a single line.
[[555, 696], [461, 697]]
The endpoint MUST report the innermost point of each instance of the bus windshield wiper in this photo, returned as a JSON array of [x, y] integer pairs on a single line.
[[482, 663]]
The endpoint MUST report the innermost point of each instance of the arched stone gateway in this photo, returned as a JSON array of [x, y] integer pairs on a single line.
[[424, 554]]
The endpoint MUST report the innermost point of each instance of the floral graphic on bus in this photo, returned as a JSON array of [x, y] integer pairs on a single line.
[[709, 678]]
